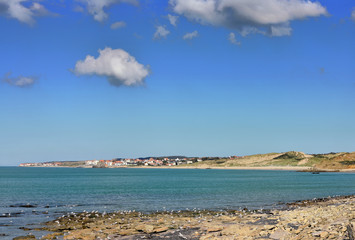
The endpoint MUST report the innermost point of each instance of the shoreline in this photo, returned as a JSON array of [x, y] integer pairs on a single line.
[[271, 168], [320, 218]]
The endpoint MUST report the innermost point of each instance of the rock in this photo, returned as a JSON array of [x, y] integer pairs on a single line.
[[351, 231], [316, 234], [145, 228], [224, 218], [208, 237], [140, 227], [215, 229], [24, 237], [263, 233], [279, 234], [161, 229], [125, 232], [239, 230], [196, 234], [25, 228], [268, 227], [161, 220], [51, 236], [86, 234], [324, 234], [23, 206]]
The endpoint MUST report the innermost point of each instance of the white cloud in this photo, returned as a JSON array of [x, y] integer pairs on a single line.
[[39, 9], [96, 7], [78, 8], [280, 30], [251, 30], [190, 35], [20, 81], [232, 39], [117, 65], [353, 14], [116, 25], [269, 16], [161, 32], [23, 13], [173, 19]]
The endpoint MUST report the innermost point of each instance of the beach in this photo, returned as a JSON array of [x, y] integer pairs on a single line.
[[326, 218], [281, 168]]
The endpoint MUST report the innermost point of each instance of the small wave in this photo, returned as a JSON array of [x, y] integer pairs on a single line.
[[9, 215]]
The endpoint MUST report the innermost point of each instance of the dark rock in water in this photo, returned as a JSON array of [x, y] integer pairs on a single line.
[[24, 237], [3, 235], [25, 228], [24, 205]]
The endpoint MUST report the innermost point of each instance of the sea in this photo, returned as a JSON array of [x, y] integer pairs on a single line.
[[31, 196]]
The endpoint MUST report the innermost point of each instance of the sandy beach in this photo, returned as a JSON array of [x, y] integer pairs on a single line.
[[272, 168]]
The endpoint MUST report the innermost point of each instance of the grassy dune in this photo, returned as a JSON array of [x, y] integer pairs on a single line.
[[331, 161]]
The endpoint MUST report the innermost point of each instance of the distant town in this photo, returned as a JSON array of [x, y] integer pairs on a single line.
[[127, 162]]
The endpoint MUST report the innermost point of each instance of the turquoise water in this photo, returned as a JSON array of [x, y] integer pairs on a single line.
[[55, 191]]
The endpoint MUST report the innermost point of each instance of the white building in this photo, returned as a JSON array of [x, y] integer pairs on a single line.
[[91, 162]]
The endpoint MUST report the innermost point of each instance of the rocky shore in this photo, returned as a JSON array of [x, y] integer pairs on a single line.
[[329, 218]]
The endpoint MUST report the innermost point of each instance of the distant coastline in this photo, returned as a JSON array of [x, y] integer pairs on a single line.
[[291, 161], [271, 168]]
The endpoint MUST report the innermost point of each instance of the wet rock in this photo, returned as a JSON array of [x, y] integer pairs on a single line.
[[23, 206], [25, 228], [28, 237], [51, 236]]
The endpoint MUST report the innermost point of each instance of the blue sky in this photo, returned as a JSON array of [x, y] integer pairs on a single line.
[[103, 79]]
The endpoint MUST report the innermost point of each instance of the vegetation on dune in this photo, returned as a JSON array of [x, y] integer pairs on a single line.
[[317, 161], [295, 156]]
